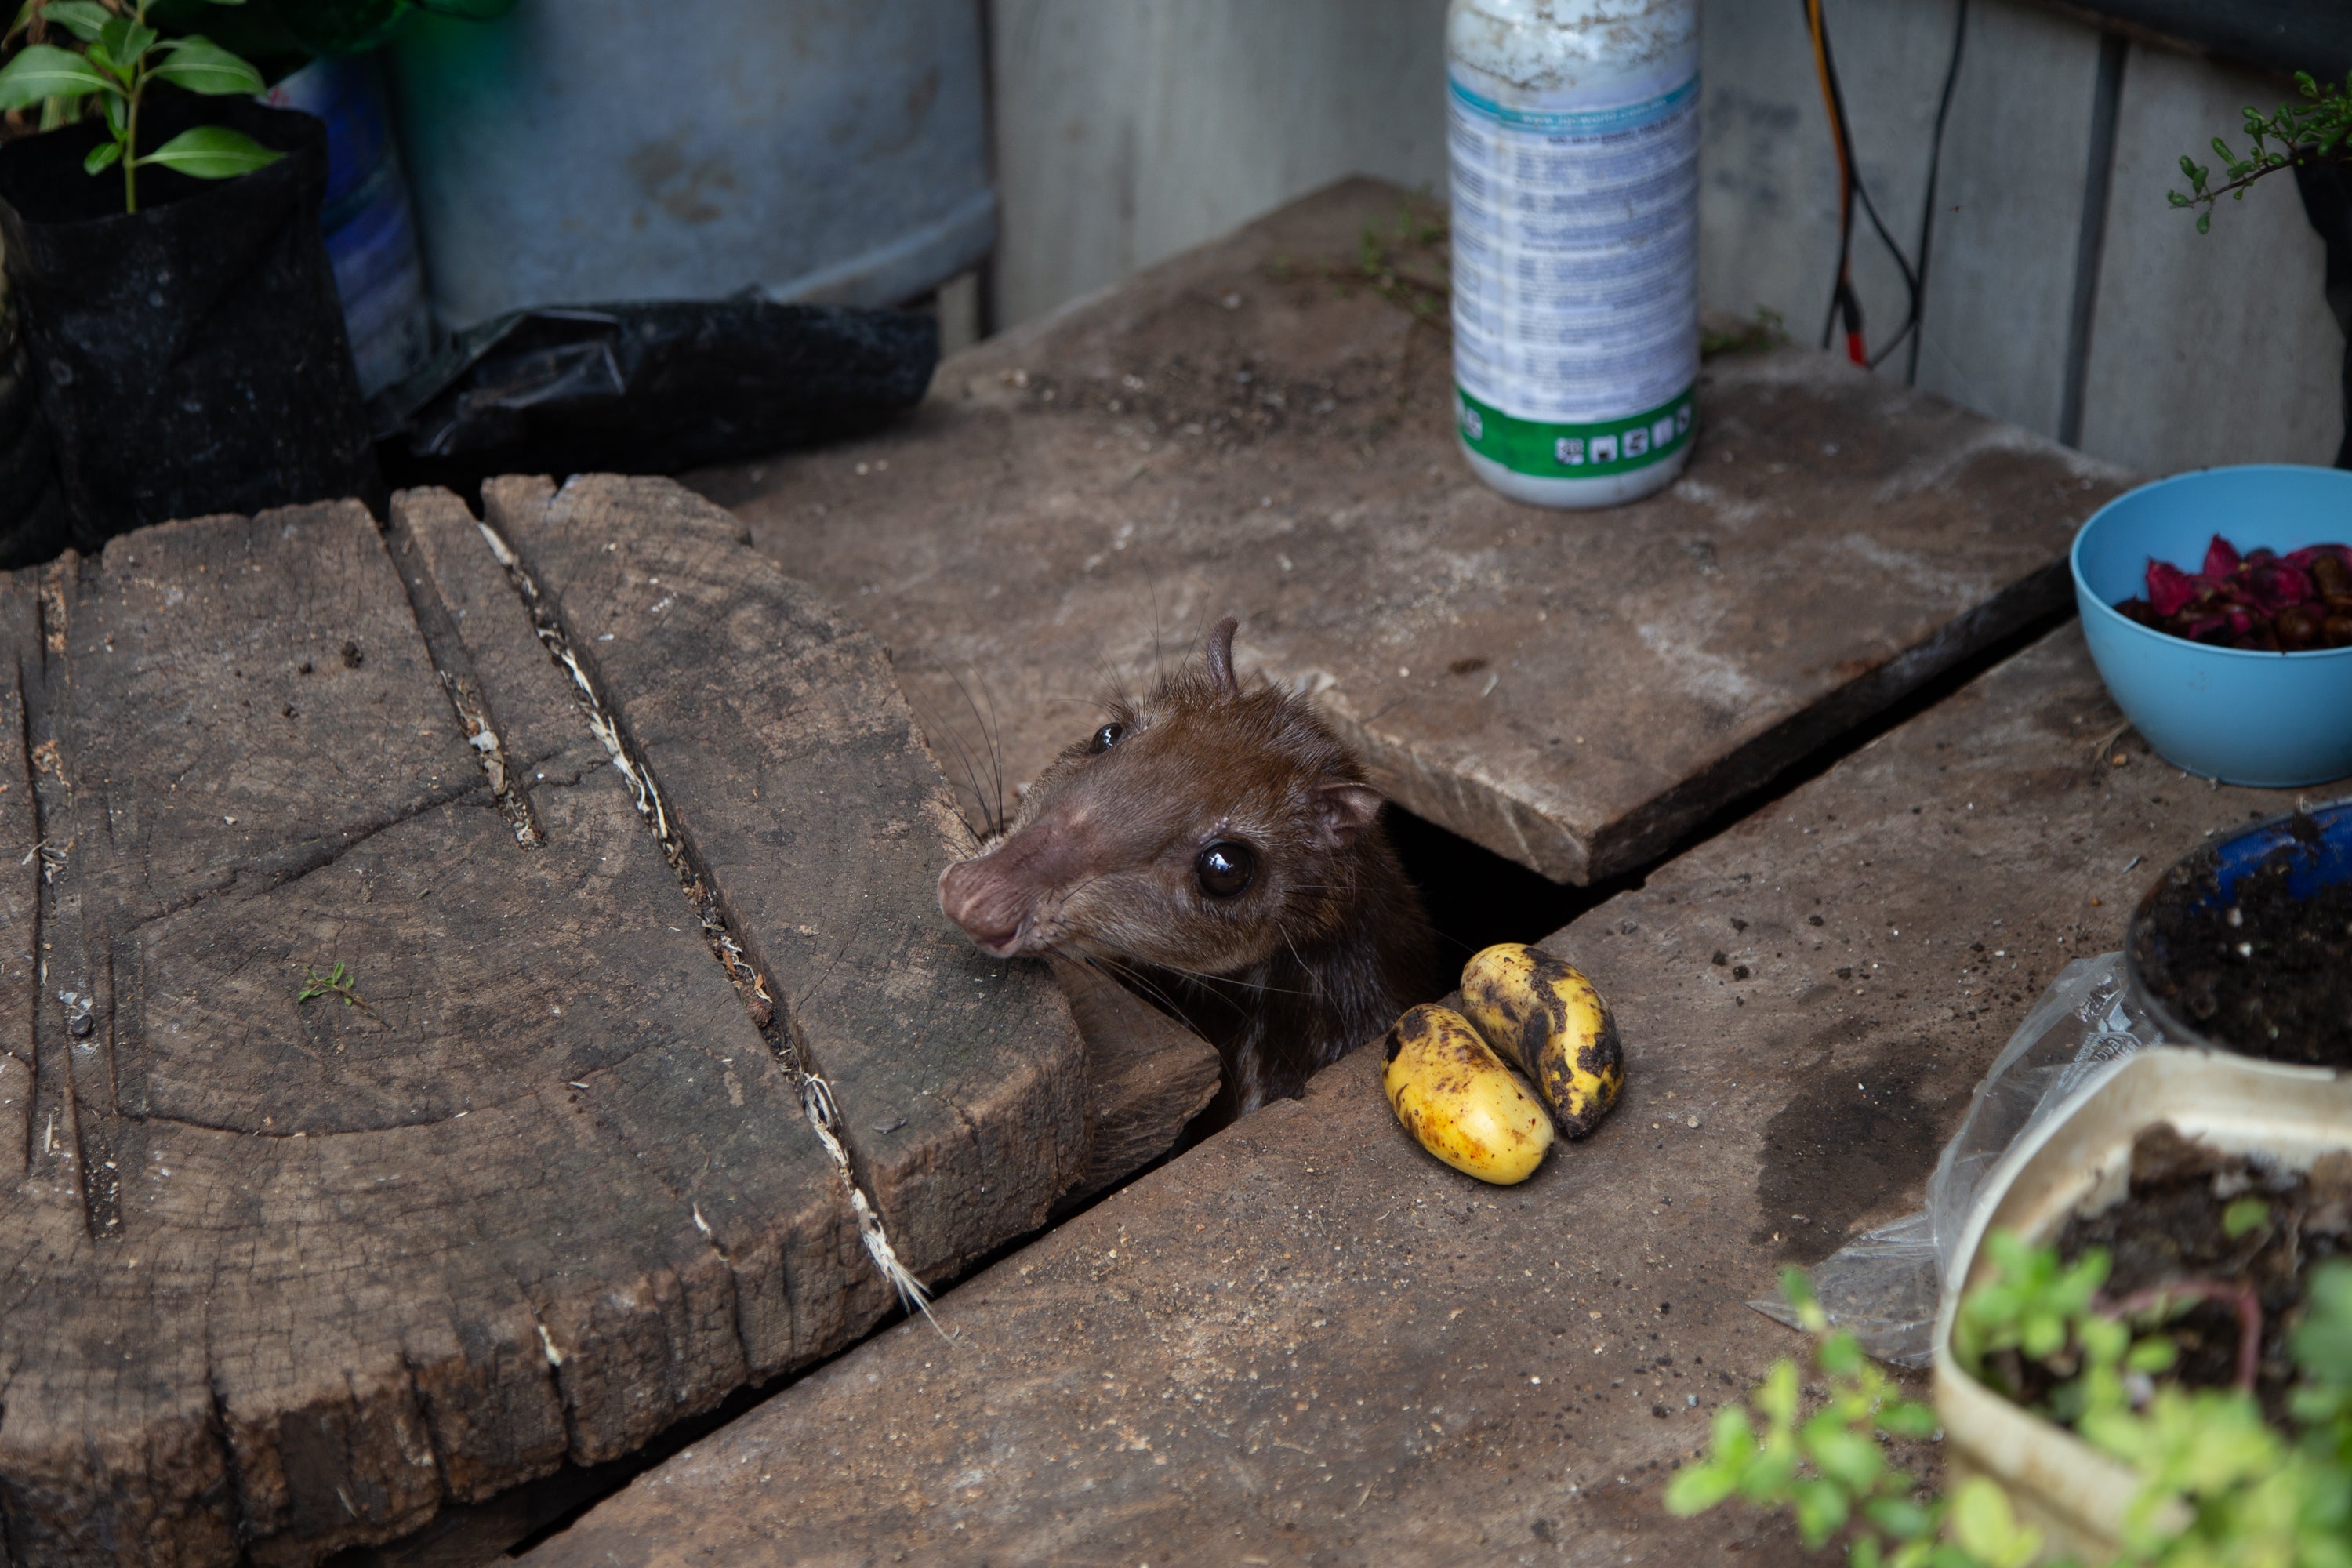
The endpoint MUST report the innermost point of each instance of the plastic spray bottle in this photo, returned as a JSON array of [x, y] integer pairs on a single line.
[[1573, 129]]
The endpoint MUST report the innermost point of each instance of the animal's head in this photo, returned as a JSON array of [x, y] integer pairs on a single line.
[[1197, 830]]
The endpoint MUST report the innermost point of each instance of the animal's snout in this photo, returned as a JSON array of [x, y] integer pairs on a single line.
[[990, 910]]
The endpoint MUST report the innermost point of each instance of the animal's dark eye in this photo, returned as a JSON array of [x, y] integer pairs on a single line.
[[1227, 868], [1103, 739]]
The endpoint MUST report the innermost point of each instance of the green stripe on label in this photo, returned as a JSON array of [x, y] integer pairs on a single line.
[[1577, 122], [1593, 451]]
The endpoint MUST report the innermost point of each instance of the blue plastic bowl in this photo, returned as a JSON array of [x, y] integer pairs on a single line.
[[2272, 720]]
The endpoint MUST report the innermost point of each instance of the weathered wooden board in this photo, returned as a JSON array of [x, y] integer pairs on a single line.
[[776, 734], [1305, 1338], [1146, 1075], [281, 1274], [1235, 431]]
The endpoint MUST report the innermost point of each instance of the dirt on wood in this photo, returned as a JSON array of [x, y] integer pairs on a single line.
[[1229, 432]]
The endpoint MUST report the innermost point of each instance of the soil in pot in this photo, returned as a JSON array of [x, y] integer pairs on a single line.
[[2197, 1218], [2258, 969]]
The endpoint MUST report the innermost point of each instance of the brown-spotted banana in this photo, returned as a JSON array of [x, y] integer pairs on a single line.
[[1458, 1099], [1541, 1014]]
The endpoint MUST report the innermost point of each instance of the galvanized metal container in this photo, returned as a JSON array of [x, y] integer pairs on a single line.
[[580, 151]]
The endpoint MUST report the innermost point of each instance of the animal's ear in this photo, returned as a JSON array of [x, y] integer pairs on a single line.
[[1221, 658], [1345, 809]]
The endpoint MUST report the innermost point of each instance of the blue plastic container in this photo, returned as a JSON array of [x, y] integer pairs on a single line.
[[2275, 720], [371, 237]]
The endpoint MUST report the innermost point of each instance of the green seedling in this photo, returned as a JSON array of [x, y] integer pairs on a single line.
[[2220, 1485], [2295, 135], [119, 58], [337, 983]]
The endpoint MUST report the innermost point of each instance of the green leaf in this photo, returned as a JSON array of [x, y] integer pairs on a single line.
[[1984, 1526], [105, 155], [1899, 1517], [1847, 1457], [201, 66], [1906, 1418], [2205, 222], [1821, 1510], [126, 42], [211, 153], [2154, 1355], [1699, 1488], [83, 18], [2322, 1343], [1775, 1396], [46, 71], [2243, 1215], [1735, 1439], [2102, 1339]]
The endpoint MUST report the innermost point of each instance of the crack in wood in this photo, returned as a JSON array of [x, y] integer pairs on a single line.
[[778, 1032], [460, 685]]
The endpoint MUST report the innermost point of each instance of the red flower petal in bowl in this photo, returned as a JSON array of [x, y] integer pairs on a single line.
[[2222, 557], [2169, 589]]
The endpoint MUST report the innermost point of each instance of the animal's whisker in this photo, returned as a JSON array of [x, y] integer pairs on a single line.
[[933, 722], [987, 724]]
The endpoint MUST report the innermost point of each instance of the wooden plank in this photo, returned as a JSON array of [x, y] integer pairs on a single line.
[[1233, 432], [284, 1275], [779, 743], [530, 700], [1146, 1075], [1307, 1336]]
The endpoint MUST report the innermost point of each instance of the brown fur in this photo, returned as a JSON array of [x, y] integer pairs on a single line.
[[1318, 954]]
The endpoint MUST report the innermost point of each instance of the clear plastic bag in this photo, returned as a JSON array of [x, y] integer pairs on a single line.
[[1885, 1284]]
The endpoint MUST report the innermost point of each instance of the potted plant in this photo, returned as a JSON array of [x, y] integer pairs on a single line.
[[2150, 1360], [162, 243]]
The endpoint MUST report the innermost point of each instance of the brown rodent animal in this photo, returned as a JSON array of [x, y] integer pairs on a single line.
[[1216, 847]]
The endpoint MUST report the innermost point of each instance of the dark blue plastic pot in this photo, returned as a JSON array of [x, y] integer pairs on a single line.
[[2318, 846]]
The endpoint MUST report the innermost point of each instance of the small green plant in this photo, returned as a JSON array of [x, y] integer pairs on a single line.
[[2317, 130], [1828, 1469], [120, 57], [337, 982], [2220, 1485]]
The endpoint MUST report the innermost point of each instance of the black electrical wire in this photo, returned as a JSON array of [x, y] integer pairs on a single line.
[[1843, 301], [1928, 203]]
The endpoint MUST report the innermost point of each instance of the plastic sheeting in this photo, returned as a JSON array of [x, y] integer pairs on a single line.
[[1884, 1286], [650, 388]]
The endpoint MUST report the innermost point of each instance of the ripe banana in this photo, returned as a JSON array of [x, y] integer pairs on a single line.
[[1540, 1014], [1458, 1099]]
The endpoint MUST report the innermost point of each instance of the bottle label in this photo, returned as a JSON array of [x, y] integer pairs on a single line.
[[1575, 280]]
